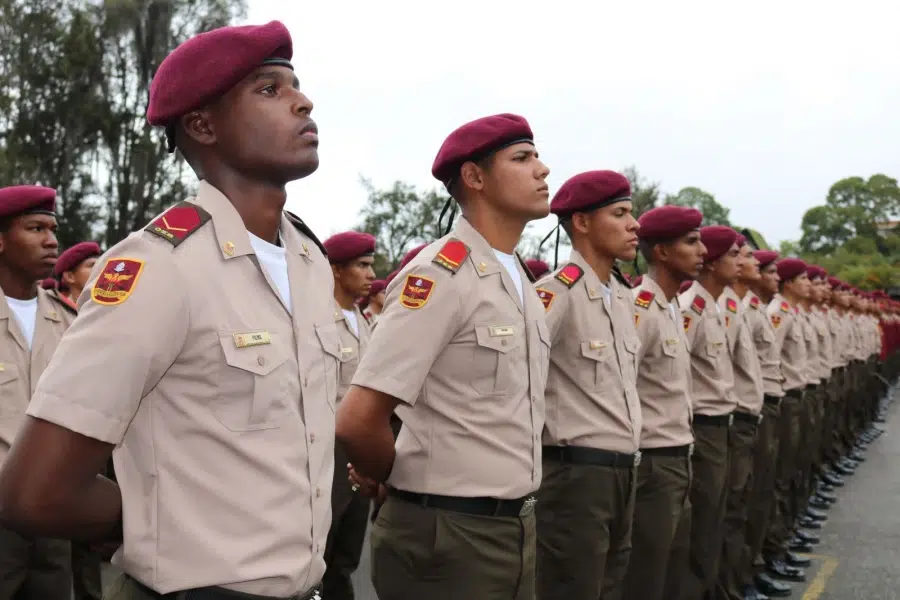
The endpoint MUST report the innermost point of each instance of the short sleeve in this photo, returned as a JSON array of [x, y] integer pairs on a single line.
[[132, 323], [421, 315]]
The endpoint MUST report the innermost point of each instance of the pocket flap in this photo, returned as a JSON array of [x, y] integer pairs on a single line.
[[543, 332], [598, 350], [501, 338], [330, 339], [259, 359], [632, 345], [8, 372], [670, 347]]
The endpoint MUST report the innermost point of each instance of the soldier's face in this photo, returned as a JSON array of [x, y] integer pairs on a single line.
[[356, 276], [612, 230], [29, 247], [748, 266], [799, 286], [516, 180], [815, 294], [77, 278], [725, 268], [769, 279], [263, 126], [685, 255]]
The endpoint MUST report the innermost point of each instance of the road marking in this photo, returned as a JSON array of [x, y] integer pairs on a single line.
[[817, 587]]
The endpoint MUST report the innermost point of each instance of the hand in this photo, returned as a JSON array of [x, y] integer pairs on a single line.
[[365, 485]]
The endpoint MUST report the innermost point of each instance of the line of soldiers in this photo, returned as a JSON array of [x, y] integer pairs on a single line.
[[569, 437]]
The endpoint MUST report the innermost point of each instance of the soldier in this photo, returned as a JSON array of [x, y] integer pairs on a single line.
[[592, 434], [351, 255], [461, 351], [31, 567], [670, 243], [205, 354], [73, 269], [791, 348], [840, 342], [375, 301], [538, 267], [714, 401], [748, 390]]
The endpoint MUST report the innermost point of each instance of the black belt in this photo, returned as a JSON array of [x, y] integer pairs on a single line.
[[217, 593], [772, 400], [811, 386], [747, 417], [716, 421], [580, 455], [486, 507], [677, 451]]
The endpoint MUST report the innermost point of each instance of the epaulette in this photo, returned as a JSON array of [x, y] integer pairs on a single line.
[[451, 255], [731, 305], [754, 302], [644, 298], [179, 222], [785, 307], [302, 227], [570, 274], [698, 305]]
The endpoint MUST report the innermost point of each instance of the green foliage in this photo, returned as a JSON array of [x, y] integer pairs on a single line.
[[713, 212], [644, 193]]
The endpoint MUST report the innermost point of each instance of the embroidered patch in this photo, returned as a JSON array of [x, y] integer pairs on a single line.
[[754, 302], [687, 323], [785, 307], [644, 298], [570, 274], [117, 280], [776, 321], [698, 305], [546, 297], [179, 222], [416, 291], [452, 255], [731, 305]]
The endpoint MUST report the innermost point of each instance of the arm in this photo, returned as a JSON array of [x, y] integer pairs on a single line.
[[364, 430]]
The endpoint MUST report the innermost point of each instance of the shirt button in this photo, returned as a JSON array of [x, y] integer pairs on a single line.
[[306, 382], [260, 360], [312, 438], [318, 492]]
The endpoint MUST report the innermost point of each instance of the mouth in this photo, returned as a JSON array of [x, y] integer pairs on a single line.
[[633, 242], [545, 190], [310, 132], [50, 259]]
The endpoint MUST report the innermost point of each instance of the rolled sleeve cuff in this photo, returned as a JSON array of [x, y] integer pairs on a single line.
[[386, 384], [79, 418]]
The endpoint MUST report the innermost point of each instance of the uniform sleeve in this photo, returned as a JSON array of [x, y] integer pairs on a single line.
[[115, 353], [556, 308], [422, 313]]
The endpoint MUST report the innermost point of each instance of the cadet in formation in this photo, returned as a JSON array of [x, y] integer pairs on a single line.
[[73, 269], [461, 352], [593, 426], [232, 299]]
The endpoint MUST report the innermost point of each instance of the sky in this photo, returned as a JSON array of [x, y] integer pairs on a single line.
[[765, 104]]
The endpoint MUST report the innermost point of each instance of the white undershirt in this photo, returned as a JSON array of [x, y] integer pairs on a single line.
[[509, 261], [607, 295], [351, 319], [26, 314], [274, 260]]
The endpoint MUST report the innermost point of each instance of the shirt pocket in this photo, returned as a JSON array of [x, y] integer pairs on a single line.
[[253, 384], [349, 361], [598, 354], [330, 341], [632, 346], [13, 401], [498, 349]]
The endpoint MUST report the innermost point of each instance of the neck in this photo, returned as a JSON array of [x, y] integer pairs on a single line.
[[17, 287], [667, 281], [792, 299], [344, 299], [740, 288], [711, 285], [501, 231], [601, 264], [375, 307], [259, 204], [74, 293]]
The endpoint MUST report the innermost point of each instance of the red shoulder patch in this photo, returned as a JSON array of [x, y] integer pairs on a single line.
[[731, 305], [452, 255], [785, 307], [179, 222], [698, 305], [570, 274], [546, 297], [644, 298], [754, 302]]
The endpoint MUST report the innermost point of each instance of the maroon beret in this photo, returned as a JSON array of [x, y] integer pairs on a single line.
[[815, 272], [74, 256], [685, 285], [49, 284], [209, 64], [537, 267], [788, 268], [342, 247], [741, 240], [668, 222], [718, 240], [21, 199], [765, 257], [377, 287], [391, 276], [476, 140], [588, 191], [834, 282]]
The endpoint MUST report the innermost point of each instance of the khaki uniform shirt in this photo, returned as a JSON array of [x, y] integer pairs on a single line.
[[592, 398], [664, 369], [20, 366], [467, 358], [811, 338], [819, 320], [220, 402], [352, 347], [835, 326], [729, 304], [748, 384], [711, 365], [789, 341], [763, 334]]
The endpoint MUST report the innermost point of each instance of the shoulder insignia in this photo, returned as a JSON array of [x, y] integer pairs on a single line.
[[687, 322], [179, 222], [637, 319], [776, 321], [731, 305], [452, 255], [727, 321], [303, 228], [570, 274], [644, 298], [117, 280], [416, 291], [754, 302], [698, 305], [785, 307], [546, 297]]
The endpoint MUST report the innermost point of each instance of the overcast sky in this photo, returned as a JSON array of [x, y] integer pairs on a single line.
[[765, 105]]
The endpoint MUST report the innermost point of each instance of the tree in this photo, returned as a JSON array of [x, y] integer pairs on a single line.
[[713, 212], [400, 217], [644, 193]]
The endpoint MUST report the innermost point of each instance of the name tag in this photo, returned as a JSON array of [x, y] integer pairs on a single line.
[[346, 351], [256, 338], [2, 367], [501, 331], [597, 345], [671, 342]]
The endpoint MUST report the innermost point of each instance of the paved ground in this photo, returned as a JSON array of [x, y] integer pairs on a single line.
[[859, 557]]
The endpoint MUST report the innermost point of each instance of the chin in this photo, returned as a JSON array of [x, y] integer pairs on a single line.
[[305, 165]]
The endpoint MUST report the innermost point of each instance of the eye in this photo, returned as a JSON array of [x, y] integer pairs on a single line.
[[268, 90]]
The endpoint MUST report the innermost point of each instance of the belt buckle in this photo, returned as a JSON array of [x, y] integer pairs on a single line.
[[759, 418], [637, 459], [731, 419], [527, 506]]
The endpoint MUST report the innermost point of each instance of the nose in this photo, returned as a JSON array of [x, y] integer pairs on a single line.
[[703, 250], [543, 170], [302, 104]]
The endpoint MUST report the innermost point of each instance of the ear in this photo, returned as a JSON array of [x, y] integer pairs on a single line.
[[198, 127], [68, 278], [472, 175], [336, 271], [580, 222]]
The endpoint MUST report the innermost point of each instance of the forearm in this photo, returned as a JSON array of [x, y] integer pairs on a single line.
[[370, 450]]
